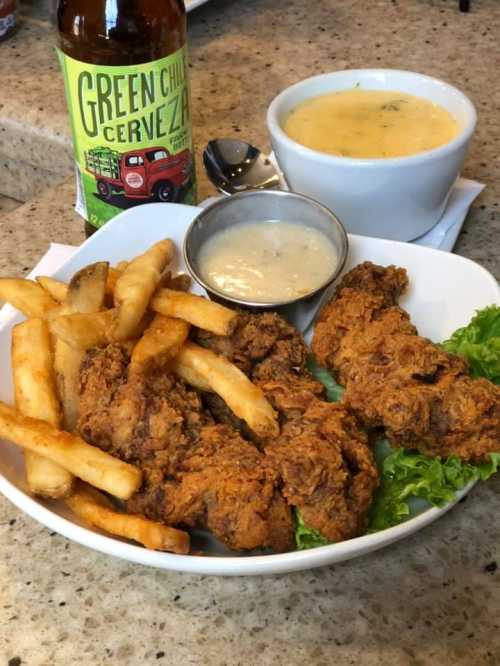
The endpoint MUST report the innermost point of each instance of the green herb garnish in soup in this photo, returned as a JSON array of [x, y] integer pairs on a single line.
[[370, 124]]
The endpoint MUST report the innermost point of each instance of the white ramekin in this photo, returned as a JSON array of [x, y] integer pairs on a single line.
[[399, 198]]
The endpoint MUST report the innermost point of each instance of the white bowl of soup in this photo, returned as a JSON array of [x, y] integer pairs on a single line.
[[381, 148]]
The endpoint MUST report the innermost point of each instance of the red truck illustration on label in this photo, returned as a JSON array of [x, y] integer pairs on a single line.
[[140, 174]]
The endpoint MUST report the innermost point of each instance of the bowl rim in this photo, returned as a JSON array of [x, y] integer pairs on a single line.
[[276, 131], [226, 200]]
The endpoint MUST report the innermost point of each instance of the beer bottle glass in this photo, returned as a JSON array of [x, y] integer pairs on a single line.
[[125, 71]]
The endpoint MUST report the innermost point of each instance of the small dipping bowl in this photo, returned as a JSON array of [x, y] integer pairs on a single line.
[[262, 206]]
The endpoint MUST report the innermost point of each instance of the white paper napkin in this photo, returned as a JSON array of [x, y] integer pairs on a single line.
[[444, 235], [55, 256]]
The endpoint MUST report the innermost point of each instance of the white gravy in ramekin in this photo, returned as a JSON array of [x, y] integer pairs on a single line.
[[267, 262]]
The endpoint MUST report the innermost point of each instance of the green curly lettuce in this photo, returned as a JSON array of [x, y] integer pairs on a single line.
[[333, 390], [479, 343], [307, 537], [406, 475]]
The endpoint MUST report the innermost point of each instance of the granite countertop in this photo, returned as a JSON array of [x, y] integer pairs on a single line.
[[431, 599]]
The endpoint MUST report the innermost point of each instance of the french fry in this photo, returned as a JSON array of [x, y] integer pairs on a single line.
[[71, 452], [85, 294], [84, 330], [87, 289], [121, 266], [190, 375], [35, 396], [245, 399], [90, 505], [59, 290], [196, 310], [159, 344], [55, 288], [27, 296], [92, 329], [67, 362], [33, 373], [136, 285], [113, 275], [181, 282]]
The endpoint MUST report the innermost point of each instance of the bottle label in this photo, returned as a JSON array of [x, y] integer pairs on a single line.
[[7, 17], [131, 134]]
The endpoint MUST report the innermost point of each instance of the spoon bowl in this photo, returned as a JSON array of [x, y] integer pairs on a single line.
[[235, 166]]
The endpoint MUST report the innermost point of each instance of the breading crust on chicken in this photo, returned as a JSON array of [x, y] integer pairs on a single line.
[[421, 395], [323, 461], [197, 473], [327, 470], [273, 354], [200, 467], [204, 468], [225, 486]]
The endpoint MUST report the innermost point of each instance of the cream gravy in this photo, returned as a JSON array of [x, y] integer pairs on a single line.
[[268, 261]]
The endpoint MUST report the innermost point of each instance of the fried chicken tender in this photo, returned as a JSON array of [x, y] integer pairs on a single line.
[[224, 485], [195, 473], [322, 458], [388, 282], [327, 470], [254, 339], [273, 354], [366, 302], [466, 421], [149, 419], [394, 379]]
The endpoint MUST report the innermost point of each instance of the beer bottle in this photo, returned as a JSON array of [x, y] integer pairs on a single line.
[[7, 18], [125, 71]]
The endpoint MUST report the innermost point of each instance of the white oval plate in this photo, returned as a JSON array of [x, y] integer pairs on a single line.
[[445, 291]]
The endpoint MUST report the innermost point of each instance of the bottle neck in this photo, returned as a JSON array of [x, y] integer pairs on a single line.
[[121, 32]]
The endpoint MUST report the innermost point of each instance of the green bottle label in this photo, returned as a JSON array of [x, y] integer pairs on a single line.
[[131, 134]]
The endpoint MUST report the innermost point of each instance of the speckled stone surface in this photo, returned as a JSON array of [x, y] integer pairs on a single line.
[[43, 10], [25, 233], [24, 181], [479, 239], [433, 599], [7, 204]]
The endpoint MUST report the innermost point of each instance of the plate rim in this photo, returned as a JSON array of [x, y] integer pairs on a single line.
[[220, 565]]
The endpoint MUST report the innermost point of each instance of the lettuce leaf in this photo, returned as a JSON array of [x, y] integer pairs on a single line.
[[307, 537], [333, 390], [406, 475], [487, 469], [479, 343]]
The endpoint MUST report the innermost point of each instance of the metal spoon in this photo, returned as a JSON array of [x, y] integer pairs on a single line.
[[236, 166]]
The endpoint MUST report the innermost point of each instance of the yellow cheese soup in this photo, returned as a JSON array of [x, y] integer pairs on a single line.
[[370, 124]]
